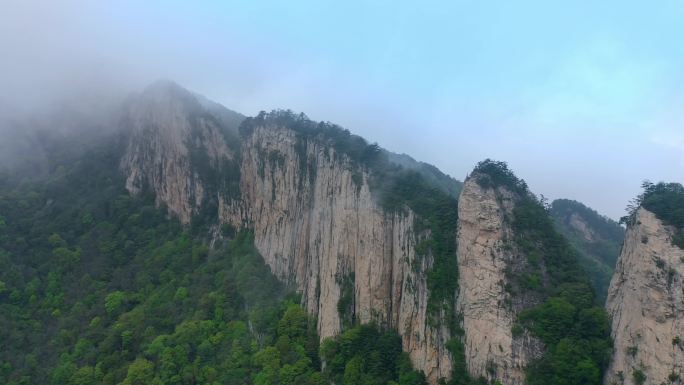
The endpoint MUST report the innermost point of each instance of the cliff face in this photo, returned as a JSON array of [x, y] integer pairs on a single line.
[[358, 254], [319, 228], [172, 139], [489, 311], [314, 219], [646, 301]]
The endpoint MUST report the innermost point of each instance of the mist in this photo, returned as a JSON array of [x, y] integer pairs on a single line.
[[583, 100]]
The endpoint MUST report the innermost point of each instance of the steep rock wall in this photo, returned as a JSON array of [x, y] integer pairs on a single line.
[[314, 219], [167, 130], [489, 312], [646, 302], [319, 228]]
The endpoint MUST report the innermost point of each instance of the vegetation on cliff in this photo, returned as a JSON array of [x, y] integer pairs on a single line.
[[97, 286], [567, 319], [666, 201], [396, 188]]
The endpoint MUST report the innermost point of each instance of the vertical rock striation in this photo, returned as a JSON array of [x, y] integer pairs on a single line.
[[646, 302], [314, 219], [172, 142], [485, 254], [319, 228]]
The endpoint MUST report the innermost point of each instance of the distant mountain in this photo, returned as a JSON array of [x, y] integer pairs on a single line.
[[597, 237], [32, 145], [431, 173]]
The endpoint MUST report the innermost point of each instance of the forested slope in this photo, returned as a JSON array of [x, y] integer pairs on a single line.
[[598, 240], [97, 286]]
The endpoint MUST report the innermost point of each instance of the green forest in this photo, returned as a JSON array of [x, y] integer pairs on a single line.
[[97, 286]]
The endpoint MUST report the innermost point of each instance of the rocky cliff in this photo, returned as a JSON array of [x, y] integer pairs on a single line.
[[646, 301], [173, 142], [319, 228], [486, 258], [364, 239], [315, 220]]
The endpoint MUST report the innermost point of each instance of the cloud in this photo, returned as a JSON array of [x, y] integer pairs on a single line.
[[600, 87], [669, 139]]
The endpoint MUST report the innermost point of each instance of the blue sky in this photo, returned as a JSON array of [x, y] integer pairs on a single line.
[[584, 99]]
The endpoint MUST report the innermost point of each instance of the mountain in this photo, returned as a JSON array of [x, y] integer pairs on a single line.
[[596, 237], [195, 245], [305, 191], [367, 240], [129, 218], [646, 294], [176, 145]]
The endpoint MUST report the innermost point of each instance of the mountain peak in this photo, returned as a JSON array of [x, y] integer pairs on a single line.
[[168, 127], [165, 93], [164, 86]]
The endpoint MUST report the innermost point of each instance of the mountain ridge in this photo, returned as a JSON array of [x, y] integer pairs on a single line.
[[475, 279]]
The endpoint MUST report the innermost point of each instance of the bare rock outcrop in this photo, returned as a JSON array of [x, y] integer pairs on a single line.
[[314, 218], [169, 135], [319, 228], [646, 302], [489, 311]]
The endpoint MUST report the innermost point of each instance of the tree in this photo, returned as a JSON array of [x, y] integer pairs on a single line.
[[85, 375], [294, 323], [353, 371], [114, 302], [140, 372]]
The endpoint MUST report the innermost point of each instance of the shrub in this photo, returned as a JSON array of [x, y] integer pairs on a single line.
[[639, 376]]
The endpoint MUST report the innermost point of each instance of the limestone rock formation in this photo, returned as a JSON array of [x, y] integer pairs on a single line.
[[646, 302], [172, 141], [320, 220], [319, 228], [489, 311], [314, 218]]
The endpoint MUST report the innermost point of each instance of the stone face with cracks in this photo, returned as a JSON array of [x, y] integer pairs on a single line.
[[488, 311], [164, 125], [316, 224], [319, 228], [314, 219], [646, 302]]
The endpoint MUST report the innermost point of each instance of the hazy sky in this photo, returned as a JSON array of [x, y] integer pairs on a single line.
[[583, 99]]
